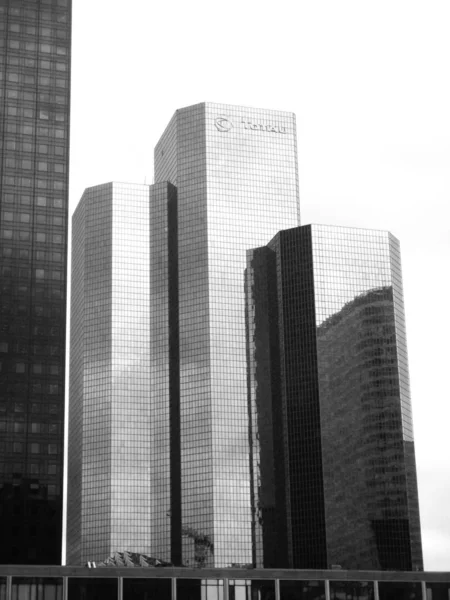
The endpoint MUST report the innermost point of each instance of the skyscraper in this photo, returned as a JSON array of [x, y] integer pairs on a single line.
[[111, 422], [333, 465], [234, 172], [35, 38], [226, 180]]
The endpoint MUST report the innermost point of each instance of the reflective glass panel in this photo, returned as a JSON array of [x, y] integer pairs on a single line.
[[199, 589], [111, 492], [147, 589], [438, 591], [351, 590], [235, 170], [399, 590], [251, 589], [30, 526], [93, 588], [302, 590], [36, 588]]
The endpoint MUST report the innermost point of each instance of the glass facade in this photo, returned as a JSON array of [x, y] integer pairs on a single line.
[[302, 590], [251, 589], [400, 590], [352, 590], [88, 588], [164, 459], [35, 46], [172, 583], [147, 589], [235, 174], [37, 588], [333, 470], [438, 591], [110, 497]]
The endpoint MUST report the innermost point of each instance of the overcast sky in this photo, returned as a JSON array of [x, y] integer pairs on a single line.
[[369, 83]]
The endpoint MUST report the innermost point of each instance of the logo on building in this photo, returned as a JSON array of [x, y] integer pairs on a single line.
[[223, 124], [271, 127]]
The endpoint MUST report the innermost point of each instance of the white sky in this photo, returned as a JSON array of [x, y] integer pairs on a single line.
[[370, 84]]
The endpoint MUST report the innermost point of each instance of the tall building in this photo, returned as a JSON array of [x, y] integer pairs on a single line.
[[333, 464], [35, 46], [233, 171], [111, 422], [165, 415]]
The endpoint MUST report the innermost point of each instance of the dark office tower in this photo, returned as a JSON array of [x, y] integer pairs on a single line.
[[333, 467], [114, 429], [34, 143], [234, 173]]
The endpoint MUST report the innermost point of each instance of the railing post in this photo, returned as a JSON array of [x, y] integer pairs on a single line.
[[226, 594], [376, 595], [424, 590], [277, 589]]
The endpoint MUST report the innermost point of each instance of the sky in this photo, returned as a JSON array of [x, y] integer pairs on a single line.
[[369, 83]]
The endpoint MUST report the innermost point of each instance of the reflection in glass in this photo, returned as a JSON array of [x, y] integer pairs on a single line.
[[236, 187], [146, 589], [302, 590], [351, 590], [399, 590], [111, 422], [333, 469], [251, 589], [92, 588], [199, 589], [36, 588], [438, 591]]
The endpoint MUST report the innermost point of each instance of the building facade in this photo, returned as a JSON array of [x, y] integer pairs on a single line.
[[123, 580], [333, 464], [111, 422], [233, 171], [35, 48]]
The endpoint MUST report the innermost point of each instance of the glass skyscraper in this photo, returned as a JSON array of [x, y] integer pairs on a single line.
[[239, 384], [158, 425], [233, 171], [35, 46], [333, 464], [111, 423]]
